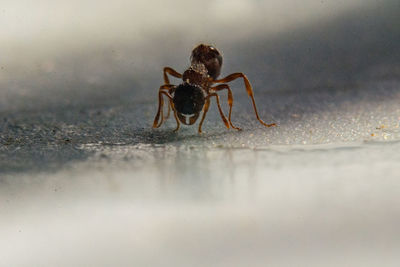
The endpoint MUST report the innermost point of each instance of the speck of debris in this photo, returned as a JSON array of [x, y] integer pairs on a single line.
[[295, 115]]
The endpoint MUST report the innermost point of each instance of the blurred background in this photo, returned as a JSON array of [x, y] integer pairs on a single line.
[[84, 180], [87, 51]]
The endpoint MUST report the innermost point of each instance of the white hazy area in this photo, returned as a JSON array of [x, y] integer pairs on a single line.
[[86, 181], [79, 22], [41, 37]]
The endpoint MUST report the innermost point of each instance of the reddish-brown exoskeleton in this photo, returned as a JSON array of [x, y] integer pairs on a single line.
[[192, 96]]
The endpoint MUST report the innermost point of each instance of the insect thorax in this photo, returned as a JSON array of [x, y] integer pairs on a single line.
[[196, 74]]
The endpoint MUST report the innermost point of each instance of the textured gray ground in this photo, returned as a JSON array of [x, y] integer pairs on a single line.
[[84, 180]]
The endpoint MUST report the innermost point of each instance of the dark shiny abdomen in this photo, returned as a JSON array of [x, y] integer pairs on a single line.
[[188, 99]]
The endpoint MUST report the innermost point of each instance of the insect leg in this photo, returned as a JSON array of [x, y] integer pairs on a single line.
[[221, 113], [249, 91], [169, 106], [174, 73], [205, 110], [230, 101], [178, 124], [171, 103], [171, 72], [162, 89]]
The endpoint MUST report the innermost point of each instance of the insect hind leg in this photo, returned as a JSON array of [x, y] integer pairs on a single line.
[[230, 101], [249, 91]]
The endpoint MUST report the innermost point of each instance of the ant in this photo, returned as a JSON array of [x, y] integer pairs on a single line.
[[192, 96]]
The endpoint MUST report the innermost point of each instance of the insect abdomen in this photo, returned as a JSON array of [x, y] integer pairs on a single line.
[[188, 99]]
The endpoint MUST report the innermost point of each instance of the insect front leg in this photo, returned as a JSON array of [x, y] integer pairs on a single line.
[[174, 73], [206, 107], [164, 89], [221, 113], [205, 110]]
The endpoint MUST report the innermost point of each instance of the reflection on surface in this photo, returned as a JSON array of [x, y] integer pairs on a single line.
[[168, 205]]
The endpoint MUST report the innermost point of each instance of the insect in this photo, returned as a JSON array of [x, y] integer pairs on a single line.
[[189, 98]]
